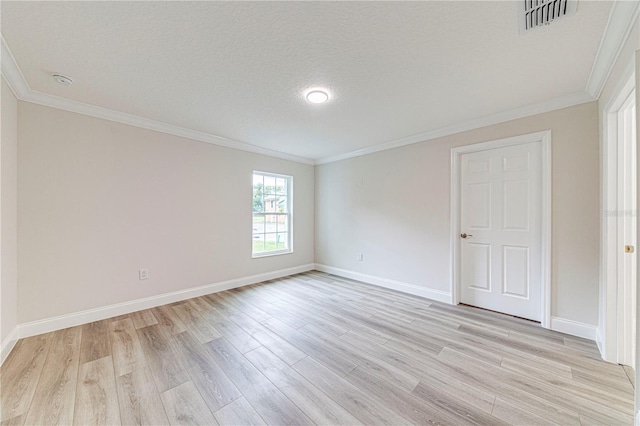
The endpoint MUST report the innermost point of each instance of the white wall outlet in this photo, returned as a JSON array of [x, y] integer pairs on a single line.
[[360, 181], [143, 274], [360, 257]]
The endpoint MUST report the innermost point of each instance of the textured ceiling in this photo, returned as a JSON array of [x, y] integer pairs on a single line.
[[239, 69]]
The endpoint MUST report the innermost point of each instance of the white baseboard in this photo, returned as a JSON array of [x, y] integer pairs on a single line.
[[438, 295], [574, 328], [77, 318], [8, 344]]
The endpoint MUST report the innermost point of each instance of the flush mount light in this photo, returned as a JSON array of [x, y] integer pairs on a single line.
[[317, 97], [62, 79]]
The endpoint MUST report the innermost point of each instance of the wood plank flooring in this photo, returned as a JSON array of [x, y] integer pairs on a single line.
[[312, 349]]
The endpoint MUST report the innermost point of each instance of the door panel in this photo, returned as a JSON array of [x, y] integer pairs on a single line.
[[500, 214], [515, 278], [515, 163], [479, 266], [480, 203], [515, 205]]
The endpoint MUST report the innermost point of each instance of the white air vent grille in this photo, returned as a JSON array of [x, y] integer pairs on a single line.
[[535, 13]]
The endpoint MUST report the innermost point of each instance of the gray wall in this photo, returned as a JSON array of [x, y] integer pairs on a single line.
[[100, 200], [400, 217]]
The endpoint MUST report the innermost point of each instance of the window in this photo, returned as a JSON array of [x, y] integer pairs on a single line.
[[271, 214]]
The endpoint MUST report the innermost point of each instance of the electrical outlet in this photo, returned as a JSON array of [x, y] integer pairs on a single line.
[[360, 257], [360, 181], [143, 274]]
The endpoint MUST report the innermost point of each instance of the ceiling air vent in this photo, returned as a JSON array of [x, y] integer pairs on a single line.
[[535, 13]]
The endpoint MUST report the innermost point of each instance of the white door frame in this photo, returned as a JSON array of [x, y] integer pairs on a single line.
[[610, 248], [544, 138]]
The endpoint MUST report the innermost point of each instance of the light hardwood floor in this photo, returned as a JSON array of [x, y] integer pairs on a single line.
[[312, 349]]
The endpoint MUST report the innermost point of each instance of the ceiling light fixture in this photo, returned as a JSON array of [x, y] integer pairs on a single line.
[[62, 79], [317, 97]]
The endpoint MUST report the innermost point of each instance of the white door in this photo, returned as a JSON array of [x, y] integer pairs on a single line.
[[500, 223], [626, 222]]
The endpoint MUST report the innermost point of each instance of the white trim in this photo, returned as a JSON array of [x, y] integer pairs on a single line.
[[621, 21], [271, 253], [544, 138], [7, 346], [437, 295], [77, 318], [146, 123], [574, 328], [637, 420], [11, 72], [599, 341], [17, 82], [547, 203], [489, 120], [609, 252]]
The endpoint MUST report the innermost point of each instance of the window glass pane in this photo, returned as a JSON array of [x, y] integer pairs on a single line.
[[281, 204], [282, 242], [269, 185], [258, 196], [281, 186], [258, 224], [283, 223], [270, 242], [258, 243], [271, 203], [270, 223]]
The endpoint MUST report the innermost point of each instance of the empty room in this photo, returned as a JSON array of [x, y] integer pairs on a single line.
[[318, 212]]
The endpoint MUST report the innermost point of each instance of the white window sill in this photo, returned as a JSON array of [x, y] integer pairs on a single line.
[[270, 253]]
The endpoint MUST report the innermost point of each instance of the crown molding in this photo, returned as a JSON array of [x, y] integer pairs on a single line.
[[489, 120], [11, 72], [158, 126], [622, 18], [15, 79]]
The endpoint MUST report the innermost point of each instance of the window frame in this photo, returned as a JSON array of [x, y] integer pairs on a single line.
[[288, 214]]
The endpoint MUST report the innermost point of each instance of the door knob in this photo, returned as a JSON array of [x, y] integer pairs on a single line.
[[463, 235]]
